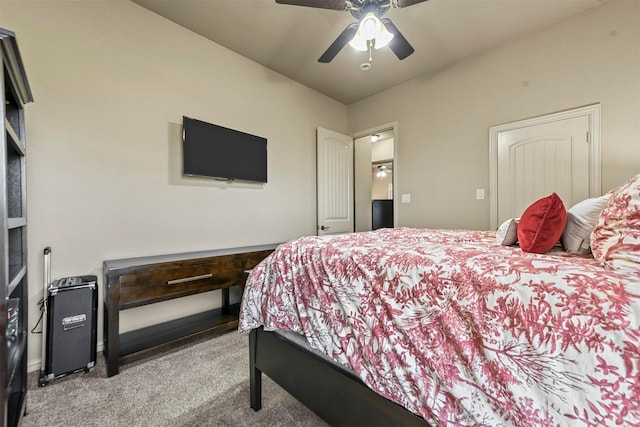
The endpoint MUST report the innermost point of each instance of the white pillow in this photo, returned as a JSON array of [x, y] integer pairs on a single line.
[[581, 219], [507, 233]]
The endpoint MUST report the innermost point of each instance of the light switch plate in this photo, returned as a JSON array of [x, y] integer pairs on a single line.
[[406, 198]]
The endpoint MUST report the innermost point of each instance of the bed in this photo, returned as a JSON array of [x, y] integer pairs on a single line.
[[448, 327]]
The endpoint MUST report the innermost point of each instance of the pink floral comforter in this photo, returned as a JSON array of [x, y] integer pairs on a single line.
[[458, 329]]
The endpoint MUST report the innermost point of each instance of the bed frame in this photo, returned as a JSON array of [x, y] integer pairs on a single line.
[[335, 395]]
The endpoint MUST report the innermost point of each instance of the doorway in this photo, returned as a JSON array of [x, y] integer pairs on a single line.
[[374, 161]]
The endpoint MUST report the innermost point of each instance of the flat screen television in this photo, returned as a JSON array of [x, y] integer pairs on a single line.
[[217, 152]]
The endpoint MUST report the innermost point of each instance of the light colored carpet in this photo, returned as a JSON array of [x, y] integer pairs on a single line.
[[204, 384]]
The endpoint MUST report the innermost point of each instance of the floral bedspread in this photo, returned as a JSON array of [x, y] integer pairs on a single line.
[[458, 329]]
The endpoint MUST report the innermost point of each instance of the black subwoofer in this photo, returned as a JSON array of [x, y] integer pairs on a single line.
[[72, 307]]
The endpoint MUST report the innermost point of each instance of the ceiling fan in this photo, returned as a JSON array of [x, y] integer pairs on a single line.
[[370, 30]]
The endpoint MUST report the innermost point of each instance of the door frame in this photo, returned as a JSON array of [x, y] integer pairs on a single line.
[[395, 128], [593, 111]]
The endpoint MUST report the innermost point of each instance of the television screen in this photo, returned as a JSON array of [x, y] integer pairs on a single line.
[[218, 152]]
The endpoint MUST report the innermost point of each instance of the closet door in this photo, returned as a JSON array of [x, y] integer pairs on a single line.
[[536, 157]]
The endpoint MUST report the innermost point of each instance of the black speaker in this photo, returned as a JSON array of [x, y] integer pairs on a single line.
[[72, 307]]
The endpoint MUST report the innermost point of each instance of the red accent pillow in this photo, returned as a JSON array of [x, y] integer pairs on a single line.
[[541, 224]]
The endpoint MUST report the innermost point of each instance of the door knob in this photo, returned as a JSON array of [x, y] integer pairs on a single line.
[[324, 228]]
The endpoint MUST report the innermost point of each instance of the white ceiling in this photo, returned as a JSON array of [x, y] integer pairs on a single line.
[[289, 39]]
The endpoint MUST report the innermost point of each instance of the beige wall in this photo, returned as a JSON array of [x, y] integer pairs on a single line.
[[362, 183], [443, 119], [382, 150], [111, 82]]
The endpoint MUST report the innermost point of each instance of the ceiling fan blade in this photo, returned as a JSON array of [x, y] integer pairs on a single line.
[[321, 4], [399, 45], [407, 3], [344, 38]]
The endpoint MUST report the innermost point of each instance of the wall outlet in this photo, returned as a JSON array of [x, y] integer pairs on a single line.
[[406, 198]]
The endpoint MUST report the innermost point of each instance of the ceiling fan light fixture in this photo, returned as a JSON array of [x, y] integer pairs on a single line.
[[383, 38], [359, 43], [371, 29], [369, 26]]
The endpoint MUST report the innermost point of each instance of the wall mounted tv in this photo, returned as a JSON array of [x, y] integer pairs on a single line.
[[217, 152]]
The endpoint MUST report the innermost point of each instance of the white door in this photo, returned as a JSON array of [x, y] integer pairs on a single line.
[[335, 182], [539, 157]]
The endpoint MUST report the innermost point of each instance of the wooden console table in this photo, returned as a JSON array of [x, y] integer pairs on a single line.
[[134, 282]]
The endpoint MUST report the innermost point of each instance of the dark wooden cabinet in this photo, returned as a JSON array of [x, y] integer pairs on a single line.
[[13, 233], [134, 282], [381, 214]]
